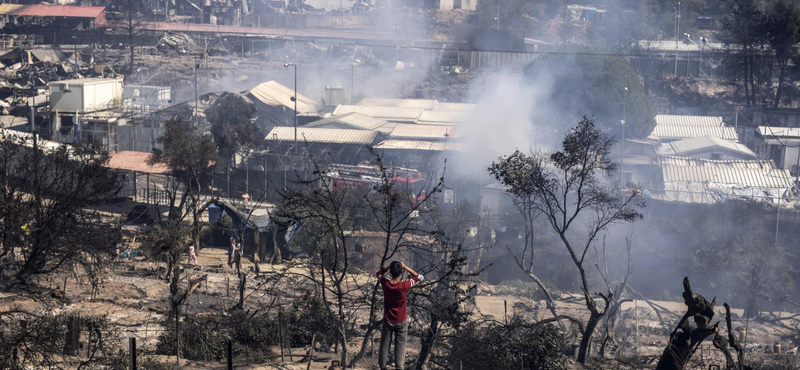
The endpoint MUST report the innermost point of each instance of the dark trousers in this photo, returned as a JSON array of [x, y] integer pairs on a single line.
[[400, 333]]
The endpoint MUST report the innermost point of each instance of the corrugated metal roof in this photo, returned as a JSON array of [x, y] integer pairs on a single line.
[[274, 94], [669, 45], [701, 172], [671, 119], [787, 132], [705, 143], [398, 114], [350, 120], [683, 127], [456, 106], [330, 5], [429, 132], [401, 103], [437, 117], [41, 10], [434, 146], [323, 135]]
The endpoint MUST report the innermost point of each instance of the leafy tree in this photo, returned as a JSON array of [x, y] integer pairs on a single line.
[[233, 129], [190, 156], [594, 84], [515, 172], [743, 27], [45, 219], [567, 188], [782, 27]]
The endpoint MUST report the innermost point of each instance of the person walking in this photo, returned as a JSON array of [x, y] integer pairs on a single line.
[[232, 252], [193, 255], [395, 315]]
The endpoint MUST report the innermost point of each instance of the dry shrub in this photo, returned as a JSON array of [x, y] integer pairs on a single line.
[[517, 345]]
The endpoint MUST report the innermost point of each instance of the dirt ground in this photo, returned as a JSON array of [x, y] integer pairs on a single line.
[[135, 297]]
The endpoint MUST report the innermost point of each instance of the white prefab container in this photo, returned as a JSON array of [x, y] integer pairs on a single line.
[[85, 95]]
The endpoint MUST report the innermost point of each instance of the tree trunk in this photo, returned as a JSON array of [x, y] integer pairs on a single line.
[[746, 83], [276, 250], [368, 337], [342, 324], [428, 342], [777, 101], [196, 229], [753, 91], [242, 287], [586, 340], [685, 339], [73, 335], [228, 176]]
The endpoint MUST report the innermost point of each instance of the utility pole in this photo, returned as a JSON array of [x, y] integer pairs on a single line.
[[352, 83], [33, 113], [677, 28], [294, 98], [622, 143], [196, 112], [130, 31], [497, 19]]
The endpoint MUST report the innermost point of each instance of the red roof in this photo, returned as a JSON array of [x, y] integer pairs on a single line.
[[135, 161], [52, 10]]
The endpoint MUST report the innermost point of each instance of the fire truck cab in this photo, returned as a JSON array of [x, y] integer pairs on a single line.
[[368, 178]]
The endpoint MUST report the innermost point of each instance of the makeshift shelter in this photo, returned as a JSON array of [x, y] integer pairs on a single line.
[[258, 234]]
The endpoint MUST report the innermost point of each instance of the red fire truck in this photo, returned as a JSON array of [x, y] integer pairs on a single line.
[[368, 177]]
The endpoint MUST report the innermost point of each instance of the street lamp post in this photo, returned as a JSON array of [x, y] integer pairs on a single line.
[[352, 83], [677, 28], [622, 143], [294, 99]]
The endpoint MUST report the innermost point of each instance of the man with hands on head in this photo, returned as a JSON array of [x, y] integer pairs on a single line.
[[395, 314]]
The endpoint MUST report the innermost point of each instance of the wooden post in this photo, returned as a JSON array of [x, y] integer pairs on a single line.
[[280, 332], [64, 288], [132, 349], [505, 311], [636, 312], [230, 356], [177, 333], [310, 351]]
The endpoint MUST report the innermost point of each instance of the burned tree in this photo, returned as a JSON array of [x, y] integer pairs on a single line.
[[686, 338], [617, 288], [330, 218], [394, 210], [45, 219], [442, 302], [566, 184]]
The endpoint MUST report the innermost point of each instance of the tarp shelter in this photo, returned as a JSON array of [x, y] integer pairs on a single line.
[[275, 104], [258, 233]]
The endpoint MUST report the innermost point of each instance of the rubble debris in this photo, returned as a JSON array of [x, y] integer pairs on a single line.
[[179, 42]]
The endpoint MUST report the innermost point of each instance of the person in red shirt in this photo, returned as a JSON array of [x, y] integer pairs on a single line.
[[394, 312]]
